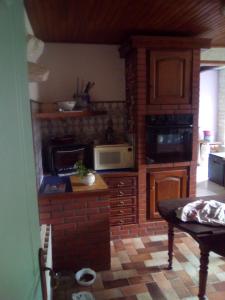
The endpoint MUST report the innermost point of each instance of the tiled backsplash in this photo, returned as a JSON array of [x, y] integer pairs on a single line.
[[90, 129], [85, 130]]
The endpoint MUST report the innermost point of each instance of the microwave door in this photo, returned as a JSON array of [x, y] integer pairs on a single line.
[[108, 159]]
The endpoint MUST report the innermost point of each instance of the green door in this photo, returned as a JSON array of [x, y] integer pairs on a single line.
[[19, 227]]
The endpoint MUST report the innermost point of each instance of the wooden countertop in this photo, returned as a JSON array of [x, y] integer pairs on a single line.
[[99, 184]]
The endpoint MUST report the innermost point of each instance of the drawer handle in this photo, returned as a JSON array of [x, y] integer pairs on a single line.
[[121, 202], [121, 221], [121, 193], [121, 211], [121, 183]]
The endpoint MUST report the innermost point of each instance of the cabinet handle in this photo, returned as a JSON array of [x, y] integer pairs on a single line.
[[121, 183], [121, 211], [121, 193], [121, 221], [152, 188], [121, 202]]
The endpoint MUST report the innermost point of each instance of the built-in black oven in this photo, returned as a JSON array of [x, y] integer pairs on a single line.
[[169, 138]]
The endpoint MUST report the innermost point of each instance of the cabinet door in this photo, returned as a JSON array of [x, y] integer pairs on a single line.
[[170, 73], [216, 169], [165, 185]]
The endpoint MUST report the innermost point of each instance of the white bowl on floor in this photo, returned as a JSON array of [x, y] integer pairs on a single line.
[[80, 276]]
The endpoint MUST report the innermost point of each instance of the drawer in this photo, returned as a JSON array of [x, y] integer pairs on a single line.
[[122, 202], [115, 221], [123, 192], [123, 211], [118, 182]]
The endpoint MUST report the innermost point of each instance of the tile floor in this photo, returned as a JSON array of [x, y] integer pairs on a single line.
[[138, 272], [204, 186], [138, 266]]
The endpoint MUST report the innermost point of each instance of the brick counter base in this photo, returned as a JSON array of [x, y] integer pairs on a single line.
[[135, 230], [80, 230]]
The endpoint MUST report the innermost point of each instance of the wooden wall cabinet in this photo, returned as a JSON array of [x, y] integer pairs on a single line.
[[164, 185], [169, 77]]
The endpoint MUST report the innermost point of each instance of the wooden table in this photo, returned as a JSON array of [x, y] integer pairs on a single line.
[[209, 238]]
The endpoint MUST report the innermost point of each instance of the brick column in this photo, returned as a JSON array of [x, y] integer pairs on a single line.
[[140, 132]]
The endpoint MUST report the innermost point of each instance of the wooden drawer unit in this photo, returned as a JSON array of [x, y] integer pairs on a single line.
[[123, 211], [120, 182], [123, 199], [123, 202], [116, 221], [123, 192]]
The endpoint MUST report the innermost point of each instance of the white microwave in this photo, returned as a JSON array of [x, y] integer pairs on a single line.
[[107, 157]]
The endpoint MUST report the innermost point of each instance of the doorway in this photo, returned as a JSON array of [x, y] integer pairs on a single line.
[[208, 130]]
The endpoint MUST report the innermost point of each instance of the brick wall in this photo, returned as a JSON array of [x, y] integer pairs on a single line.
[[140, 132], [195, 111], [80, 230]]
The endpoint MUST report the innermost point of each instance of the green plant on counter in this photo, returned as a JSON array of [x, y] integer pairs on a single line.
[[82, 170]]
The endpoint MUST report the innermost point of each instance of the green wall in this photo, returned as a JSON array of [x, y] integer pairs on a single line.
[[19, 228]]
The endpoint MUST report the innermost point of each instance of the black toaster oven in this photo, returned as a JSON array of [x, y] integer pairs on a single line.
[[62, 154]]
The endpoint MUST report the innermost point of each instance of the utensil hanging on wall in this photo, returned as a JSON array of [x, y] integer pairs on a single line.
[[88, 86]]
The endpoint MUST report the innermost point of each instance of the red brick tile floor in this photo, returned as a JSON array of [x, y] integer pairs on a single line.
[[138, 272]]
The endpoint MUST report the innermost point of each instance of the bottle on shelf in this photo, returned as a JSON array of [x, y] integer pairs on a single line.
[[109, 133]]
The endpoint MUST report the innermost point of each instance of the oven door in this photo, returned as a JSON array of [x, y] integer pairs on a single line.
[[169, 144]]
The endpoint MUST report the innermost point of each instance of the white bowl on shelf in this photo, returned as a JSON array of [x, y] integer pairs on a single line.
[[66, 105]]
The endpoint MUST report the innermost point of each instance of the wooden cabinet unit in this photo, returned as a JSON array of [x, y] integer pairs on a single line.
[[162, 78], [216, 168], [164, 185], [170, 77], [123, 198]]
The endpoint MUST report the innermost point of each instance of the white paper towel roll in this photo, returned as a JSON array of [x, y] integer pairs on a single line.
[[35, 48]]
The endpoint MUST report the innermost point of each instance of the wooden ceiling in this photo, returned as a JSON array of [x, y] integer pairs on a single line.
[[112, 21]]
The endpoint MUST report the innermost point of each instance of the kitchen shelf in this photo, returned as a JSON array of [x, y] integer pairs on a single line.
[[68, 114]]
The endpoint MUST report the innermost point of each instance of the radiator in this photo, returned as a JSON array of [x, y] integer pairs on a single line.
[[46, 244]]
